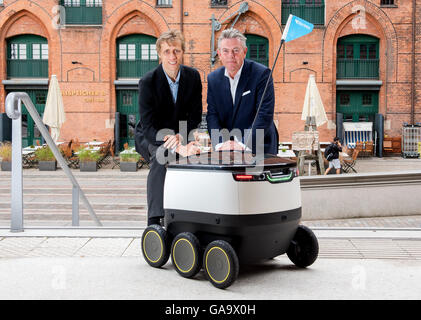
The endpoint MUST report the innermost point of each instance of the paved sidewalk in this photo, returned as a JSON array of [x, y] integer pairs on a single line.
[[352, 264]]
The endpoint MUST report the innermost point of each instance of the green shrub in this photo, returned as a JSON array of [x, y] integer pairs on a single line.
[[129, 157], [86, 155], [6, 152], [44, 154]]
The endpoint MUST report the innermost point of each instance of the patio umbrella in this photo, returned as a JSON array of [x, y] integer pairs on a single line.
[[54, 115], [313, 105]]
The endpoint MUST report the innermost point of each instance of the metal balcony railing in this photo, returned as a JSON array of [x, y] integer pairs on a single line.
[[357, 69], [29, 68], [314, 13], [134, 68]]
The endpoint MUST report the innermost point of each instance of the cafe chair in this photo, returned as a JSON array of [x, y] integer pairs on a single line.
[[348, 165]]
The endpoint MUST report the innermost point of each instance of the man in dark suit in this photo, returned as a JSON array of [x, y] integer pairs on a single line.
[[167, 95], [234, 93]]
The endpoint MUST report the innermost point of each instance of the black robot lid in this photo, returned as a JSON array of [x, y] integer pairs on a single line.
[[232, 161]]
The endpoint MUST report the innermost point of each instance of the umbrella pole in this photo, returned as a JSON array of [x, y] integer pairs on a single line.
[[264, 93]]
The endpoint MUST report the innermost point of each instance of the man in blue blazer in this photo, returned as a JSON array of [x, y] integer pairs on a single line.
[[234, 94]]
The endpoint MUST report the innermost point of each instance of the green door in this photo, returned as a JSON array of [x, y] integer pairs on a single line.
[[127, 106], [357, 106], [30, 132], [258, 49], [136, 55]]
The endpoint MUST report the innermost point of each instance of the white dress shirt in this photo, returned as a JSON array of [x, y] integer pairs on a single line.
[[234, 82], [233, 87]]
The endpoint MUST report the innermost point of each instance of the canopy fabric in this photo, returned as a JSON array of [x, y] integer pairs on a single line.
[[313, 105], [54, 115], [358, 126]]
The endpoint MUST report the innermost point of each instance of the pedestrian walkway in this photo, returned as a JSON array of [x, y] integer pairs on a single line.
[[352, 264], [379, 244]]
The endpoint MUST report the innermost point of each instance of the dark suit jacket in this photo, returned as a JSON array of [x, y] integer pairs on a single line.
[[157, 110], [223, 114]]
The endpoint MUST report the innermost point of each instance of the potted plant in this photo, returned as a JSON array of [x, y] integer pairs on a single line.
[[6, 156], [88, 160], [46, 159], [129, 160]]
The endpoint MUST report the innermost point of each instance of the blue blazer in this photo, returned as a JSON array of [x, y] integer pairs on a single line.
[[222, 114]]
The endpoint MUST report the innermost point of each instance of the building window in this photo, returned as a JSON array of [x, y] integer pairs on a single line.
[[27, 57], [164, 3], [94, 3], [127, 51], [258, 48], [367, 99], [83, 12], [344, 99], [357, 57], [387, 2], [39, 51], [219, 3], [310, 10], [136, 55]]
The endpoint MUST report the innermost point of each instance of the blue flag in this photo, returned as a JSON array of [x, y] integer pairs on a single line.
[[296, 28]]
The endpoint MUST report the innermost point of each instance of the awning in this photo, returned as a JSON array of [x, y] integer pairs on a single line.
[[358, 126]]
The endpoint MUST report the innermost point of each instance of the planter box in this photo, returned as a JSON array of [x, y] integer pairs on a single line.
[[47, 165], [6, 166], [89, 166], [128, 166]]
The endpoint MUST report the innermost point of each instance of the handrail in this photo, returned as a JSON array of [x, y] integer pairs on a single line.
[[14, 111]]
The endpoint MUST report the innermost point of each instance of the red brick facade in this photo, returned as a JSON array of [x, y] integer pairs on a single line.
[[90, 94]]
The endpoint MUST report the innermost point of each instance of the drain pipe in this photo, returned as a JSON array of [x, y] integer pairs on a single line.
[[414, 9], [181, 15]]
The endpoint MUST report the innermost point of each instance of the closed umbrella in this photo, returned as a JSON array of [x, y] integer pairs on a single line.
[[54, 115], [313, 105]]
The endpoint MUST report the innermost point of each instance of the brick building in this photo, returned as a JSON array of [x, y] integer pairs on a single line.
[[365, 55]]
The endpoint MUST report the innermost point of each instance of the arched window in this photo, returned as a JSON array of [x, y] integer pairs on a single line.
[[258, 48], [27, 57], [136, 55]]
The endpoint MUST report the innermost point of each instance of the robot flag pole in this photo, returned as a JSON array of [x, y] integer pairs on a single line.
[[294, 29]]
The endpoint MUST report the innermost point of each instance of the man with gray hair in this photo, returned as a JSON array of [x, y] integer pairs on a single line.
[[234, 94]]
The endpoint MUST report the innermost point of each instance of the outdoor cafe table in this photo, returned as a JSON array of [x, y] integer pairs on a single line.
[[286, 154], [91, 149]]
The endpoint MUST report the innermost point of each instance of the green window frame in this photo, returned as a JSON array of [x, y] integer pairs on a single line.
[[27, 57], [357, 57], [257, 49], [82, 12], [136, 55], [310, 10]]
